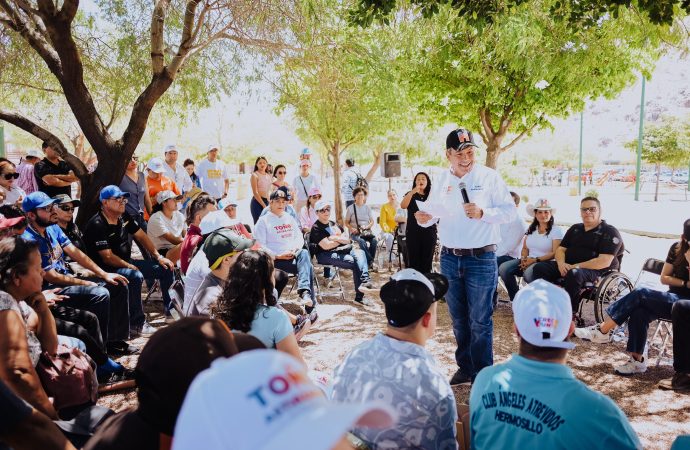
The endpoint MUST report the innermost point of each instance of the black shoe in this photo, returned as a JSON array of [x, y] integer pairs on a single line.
[[362, 301], [313, 316], [460, 378], [679, 383], [122, 348]]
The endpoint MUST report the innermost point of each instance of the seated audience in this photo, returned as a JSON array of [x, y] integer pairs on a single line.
[[326, 238], [196, 210], [533, 400], [12, 221], [8, 178], [222, 247], [248, 303], [252, 412], [26, 428], [680, 315], [28, 328], [189, 166], [586, 251], [107, 239], [109, 303], [280, 235], [307, 215], [166, 227], [184, 349], [392, 217], [229, 205], [288, 206], [65, 219], [643, 306], [359, 220], [541, 241], [395, 367], [157, 181]]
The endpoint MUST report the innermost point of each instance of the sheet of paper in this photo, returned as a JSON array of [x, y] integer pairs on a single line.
[[435, 209]]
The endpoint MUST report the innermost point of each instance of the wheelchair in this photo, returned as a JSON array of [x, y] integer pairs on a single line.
[[607, 289]]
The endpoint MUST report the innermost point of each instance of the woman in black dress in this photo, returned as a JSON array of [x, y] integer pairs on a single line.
[[421, 242]]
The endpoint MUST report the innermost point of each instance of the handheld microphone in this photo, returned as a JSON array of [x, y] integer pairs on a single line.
[[463, 191]]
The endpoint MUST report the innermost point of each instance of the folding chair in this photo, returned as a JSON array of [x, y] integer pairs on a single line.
[[663, 332]]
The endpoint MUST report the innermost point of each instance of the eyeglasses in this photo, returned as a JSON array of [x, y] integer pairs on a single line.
[[324, 210], [122, 200], [9, 176], [66, 208], [591, 209]]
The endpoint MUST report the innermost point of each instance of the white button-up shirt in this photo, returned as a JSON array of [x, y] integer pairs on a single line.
[[179, 176], [486, 189]]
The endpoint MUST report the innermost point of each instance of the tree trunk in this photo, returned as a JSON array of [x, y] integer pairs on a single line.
[[656, 188], [378, 156], [110, 170], [337, 198], [493, 149]]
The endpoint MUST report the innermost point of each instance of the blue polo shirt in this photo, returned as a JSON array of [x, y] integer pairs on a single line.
[[525, 404], [51, 247]]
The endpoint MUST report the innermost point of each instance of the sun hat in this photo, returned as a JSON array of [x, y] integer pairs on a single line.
[[264, 400], [64, 198], [542, 204], [543, 314]]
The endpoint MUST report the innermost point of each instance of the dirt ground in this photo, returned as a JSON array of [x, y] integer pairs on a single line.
[[657, 416]]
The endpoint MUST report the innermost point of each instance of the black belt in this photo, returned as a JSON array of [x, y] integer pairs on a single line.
[[469, 251]]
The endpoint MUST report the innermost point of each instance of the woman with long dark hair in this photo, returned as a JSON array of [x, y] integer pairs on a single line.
[[248, 305], [643, 305], [261, 187], [420, 241], [541, 241]]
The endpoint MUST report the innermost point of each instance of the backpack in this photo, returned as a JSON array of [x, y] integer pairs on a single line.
[[360, 181]]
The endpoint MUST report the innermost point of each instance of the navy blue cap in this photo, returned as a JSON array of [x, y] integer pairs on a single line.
[[112, 191], [37, 199]]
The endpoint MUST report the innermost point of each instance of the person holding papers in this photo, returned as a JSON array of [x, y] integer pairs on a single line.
[[476, 202], [421, 241]]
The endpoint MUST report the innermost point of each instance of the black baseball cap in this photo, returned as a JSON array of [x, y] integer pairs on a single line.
[[460, 139], [409, 294], [281, 192]]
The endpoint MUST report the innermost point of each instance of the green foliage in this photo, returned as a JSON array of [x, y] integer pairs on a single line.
[[592, 193], [665, 144]]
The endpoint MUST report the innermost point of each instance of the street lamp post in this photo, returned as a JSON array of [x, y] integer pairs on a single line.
[[640, 135]]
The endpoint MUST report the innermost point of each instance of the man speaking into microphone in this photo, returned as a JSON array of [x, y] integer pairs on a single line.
[[470, 202]]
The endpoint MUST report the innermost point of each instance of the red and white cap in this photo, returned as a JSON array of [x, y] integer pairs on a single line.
[[264, 400], [543, 314]]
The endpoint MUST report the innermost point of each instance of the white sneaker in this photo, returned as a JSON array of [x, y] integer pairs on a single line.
[[631, 367], [147, 329], [594, 334]]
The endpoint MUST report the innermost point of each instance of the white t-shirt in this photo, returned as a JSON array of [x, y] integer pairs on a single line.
[[12, 196], [301, 184], [278, 234], [196, 272], [541, 244], [159, 225], [212, 176]]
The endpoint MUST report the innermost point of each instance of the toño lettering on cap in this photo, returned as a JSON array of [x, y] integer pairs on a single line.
[[543, 314], [112, 191], [271, 403], [222, 243], [37, 199], [409, 294], [460, 139]]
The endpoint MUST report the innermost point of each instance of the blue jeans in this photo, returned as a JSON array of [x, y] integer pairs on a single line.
[[471, 286], [641, 307], [356, 261], [300, 265], [148, 269], [111, 310], [509, 270], [368, 245]]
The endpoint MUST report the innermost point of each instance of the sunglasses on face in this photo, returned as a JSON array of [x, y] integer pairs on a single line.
[[135, 158], [66, 208], [591, 209], [281, 173], [325, 210], [9, 176]]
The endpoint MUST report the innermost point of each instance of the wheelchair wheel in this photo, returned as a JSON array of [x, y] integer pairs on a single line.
[[609, 290]]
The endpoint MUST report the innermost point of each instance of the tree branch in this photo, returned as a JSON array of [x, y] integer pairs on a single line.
[[30, 127], [186, 42], [485, 117], [521, 135], [157, 42], [31, 86]]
